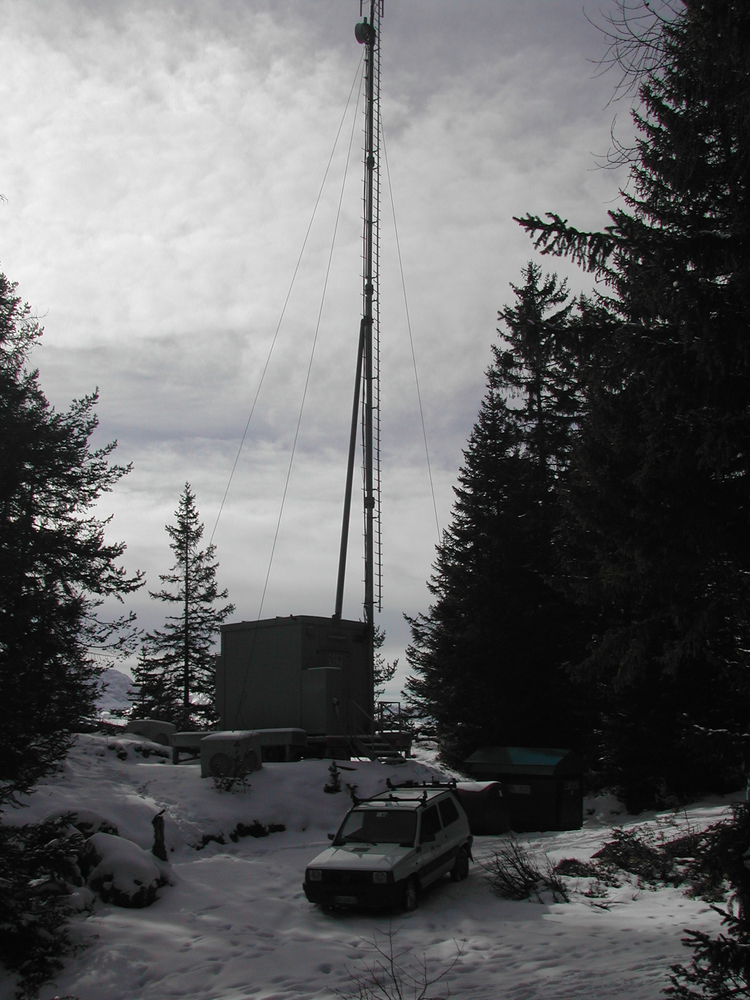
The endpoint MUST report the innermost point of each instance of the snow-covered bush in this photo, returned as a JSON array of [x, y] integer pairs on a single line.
[[86, 821], [39, 877], [706, 860], [635, 852], [720, 967], [121, 872]]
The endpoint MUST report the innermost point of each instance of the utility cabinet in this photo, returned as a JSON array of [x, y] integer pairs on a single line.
[[301, 672]]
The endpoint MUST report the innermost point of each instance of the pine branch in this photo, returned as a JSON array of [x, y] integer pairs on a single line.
[[591, 251]]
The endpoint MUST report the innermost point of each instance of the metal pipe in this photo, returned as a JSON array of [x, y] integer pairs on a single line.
[[349, 478]]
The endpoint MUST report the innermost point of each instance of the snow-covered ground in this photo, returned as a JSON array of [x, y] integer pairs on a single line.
[[235, 922]]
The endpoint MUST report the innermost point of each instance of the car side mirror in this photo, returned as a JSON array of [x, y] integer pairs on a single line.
[[331, 836]]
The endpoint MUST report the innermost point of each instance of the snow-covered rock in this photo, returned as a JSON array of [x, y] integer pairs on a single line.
[[121, 872]]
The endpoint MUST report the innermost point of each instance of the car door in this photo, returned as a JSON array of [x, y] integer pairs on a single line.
[[450, 838], [430, 845], [446, 839]]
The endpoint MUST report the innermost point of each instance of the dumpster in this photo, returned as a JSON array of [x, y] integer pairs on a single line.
[[484, 806], [542, 786]]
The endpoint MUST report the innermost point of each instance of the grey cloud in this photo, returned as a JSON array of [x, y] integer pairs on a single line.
[[161, 162]]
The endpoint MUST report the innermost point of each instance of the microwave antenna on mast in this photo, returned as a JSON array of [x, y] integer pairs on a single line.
[[367, 382]]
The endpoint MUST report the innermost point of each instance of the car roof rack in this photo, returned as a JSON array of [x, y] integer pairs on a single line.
[[450, 783], [414, 786]]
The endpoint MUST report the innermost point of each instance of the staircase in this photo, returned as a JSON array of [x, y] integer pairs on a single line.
[[389, 737], [375, 747]]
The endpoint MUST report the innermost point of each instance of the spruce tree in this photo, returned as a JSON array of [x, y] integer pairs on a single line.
[[659, 490], [156, 695], [383, 672], [489, 656], [56, 567], [176, 670]]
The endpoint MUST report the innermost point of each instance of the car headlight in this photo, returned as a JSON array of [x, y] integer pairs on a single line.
[[379, 878], [314, 875]]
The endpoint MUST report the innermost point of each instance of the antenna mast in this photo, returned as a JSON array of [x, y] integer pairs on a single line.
[[368, 356]]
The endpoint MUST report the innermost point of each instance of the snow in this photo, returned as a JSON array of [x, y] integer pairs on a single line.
[[234, 921]]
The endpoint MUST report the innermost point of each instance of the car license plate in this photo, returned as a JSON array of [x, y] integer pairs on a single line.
[[344, 900]]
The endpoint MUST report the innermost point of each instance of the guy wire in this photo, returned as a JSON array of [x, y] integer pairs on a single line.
[[310, 363], [411, 338], [288, 296]]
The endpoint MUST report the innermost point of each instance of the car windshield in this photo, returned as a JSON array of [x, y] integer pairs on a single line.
[[379, 826]]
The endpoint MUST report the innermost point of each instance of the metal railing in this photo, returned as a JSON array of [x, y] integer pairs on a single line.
[[375, 737]]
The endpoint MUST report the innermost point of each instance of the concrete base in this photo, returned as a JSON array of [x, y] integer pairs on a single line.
[[230, 754], [152, 729]]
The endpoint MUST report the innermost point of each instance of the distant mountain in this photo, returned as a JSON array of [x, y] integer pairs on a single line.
[[116, 686]]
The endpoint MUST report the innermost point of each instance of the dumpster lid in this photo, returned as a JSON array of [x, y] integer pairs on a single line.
[[478, 786], [524, 760]]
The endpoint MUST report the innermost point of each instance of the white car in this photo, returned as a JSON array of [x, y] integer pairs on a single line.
[[390, 846]]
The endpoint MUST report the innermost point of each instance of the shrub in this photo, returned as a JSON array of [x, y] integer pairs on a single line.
[[390, 976], [333, 785], [514, 873], [632, 852], [573, 868]]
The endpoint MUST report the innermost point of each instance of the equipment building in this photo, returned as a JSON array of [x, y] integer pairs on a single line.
[[302, 671]]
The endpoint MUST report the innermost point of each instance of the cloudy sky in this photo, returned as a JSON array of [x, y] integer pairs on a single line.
[[160, 162]]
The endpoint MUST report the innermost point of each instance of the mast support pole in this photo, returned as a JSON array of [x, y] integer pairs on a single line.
[[349, 478]]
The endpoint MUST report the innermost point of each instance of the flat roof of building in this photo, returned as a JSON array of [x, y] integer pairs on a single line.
[[346, 624]]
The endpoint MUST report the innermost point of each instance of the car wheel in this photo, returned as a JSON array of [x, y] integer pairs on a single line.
[[411, 895], [460, 869]]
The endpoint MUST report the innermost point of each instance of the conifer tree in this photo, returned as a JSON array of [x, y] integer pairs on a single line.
[[176, 670], [660, 487], [56, 567], [383, 672], [489, 655], [155, 694]]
